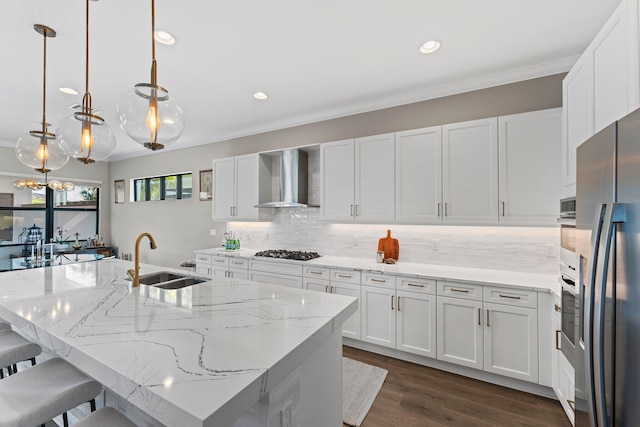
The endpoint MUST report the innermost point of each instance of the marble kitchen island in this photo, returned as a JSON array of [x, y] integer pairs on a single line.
[[217, 353]]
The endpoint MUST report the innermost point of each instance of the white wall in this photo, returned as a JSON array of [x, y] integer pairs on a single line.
[[180, 227]]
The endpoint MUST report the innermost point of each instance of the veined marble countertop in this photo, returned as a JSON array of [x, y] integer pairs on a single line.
[[538, 282], [202, 355]]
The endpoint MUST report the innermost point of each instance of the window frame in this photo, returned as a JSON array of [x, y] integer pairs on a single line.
[[180, 189]]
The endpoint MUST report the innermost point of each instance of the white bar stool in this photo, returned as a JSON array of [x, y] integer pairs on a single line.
[[15, 348], [38, 394], [105, 417]]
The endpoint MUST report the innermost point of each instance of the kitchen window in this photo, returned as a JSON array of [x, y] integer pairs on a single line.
[[168, 187], [75, 211]]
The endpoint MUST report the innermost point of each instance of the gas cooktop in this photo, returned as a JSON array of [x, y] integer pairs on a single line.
[[284, 254]]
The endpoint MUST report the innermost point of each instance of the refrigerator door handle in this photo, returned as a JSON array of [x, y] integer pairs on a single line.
[[608, 214]]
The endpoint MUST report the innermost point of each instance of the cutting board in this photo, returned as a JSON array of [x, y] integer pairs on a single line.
[[389, 246]]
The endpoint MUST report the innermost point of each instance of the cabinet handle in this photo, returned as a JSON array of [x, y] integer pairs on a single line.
[[479, 317], [503, 208], [231, 274], [345, 276], [331, 289], [509, 296], [230, 210], [315, 272], [464, 291], [398, 303], [572, 404], [326, 289], [446, 211], [438, 210], [558, 339], [378, 280], [391, 302], [351, 214], [488, 325], [357, 210], [558, 308], [221, 260], [238, 262], [415, 285]]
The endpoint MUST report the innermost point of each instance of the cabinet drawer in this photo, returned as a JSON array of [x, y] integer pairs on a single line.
[[511, 296], [239, 263], [410, 284], [276, 279], [277, 267], [346, 276], [380, 280], [460, 290], [220, 261], [317, 272], [203, 259]]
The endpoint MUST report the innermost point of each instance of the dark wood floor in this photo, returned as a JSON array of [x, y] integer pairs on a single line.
[[415, 395]]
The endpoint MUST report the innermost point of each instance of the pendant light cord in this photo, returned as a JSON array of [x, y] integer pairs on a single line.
[[154, 69], [44, 85], [86, 74]]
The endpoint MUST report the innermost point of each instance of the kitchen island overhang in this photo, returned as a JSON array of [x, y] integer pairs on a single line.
[[198, 356]]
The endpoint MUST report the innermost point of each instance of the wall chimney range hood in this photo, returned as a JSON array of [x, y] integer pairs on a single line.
[[293, 181]]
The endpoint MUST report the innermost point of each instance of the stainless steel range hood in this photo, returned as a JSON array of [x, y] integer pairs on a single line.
[[293, 181]]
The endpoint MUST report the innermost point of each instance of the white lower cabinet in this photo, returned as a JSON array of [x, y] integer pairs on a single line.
[[317, 279], [460, 332], [566, 386], [399, 319], [224, 266], [511, 341], [497, 338]]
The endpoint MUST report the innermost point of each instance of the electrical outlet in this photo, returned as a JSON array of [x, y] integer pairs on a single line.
[[212, 232], [435, 244], [550, 250]]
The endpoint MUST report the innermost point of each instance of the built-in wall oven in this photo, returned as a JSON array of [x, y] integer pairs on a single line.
[[567, 277]]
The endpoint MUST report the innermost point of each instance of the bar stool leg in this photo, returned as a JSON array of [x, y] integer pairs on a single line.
[[65, 419], [92, 402]]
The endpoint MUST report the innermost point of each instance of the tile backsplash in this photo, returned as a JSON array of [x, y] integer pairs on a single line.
[[524, 249]]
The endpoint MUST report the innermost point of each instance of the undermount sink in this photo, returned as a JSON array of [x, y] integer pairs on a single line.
[[159, 277], [180, 283]]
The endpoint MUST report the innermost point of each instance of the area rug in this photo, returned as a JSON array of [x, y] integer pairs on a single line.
[[360, 386]]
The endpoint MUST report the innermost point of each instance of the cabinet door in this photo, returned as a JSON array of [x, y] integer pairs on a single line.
[[379, 316], [460, 332], [470, 171], [419, 175], [530, 183], [567, 386], [556, 327], [577, 93], [203, 270], [337, 181], [219, 272], [239, 274], [247, 187], [223, 188], [615, 55], [511, 341], [375, 178], [351, 327], [318, 285], [416, 323]]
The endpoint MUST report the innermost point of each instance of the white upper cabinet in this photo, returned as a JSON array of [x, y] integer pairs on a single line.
[[614, 54], [578, 119], [358, 180], [375, 178], [337, 189], [419, 175], [530, 170], [602, 87], [236, 188], [470, 171], [223, 188]]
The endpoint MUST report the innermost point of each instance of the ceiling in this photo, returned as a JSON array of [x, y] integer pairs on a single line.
[[316, 59]]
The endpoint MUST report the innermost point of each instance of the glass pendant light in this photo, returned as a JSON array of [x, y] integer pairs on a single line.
[[85, 136], [39, 149], [146, 112]]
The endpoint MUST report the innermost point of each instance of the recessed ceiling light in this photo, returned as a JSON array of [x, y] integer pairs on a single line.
[[164, 37], [67, 90], [430, 46], [260, 95]]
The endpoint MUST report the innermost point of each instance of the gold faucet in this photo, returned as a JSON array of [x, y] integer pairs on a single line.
[[135, 273]]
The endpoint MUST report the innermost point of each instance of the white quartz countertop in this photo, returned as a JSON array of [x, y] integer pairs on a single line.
[[199, 356], [534, 281]]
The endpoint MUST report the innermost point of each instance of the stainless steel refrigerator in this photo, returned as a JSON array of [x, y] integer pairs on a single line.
[[608, 296]]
